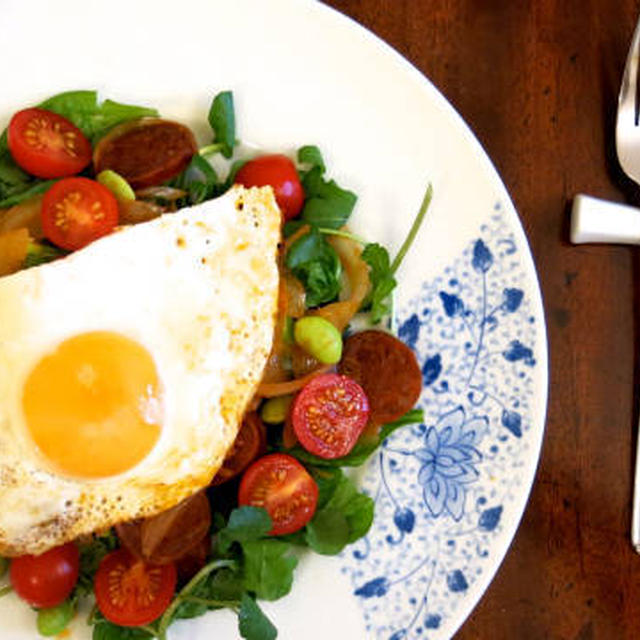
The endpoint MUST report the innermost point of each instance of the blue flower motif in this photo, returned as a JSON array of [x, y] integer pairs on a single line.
[[511, 299], [404, 519], [377, 588], [453, 305], [431, 369], [457, 582], [409, 331], [490, 518], [482, 257], [449, 460]]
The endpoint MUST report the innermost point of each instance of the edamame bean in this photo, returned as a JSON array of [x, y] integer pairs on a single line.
[[275, 410], [55, 620], [319, 338], [120, 188]]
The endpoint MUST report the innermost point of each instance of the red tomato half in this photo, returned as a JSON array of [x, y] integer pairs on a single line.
[[329, 414], [130, 592], [282, 486], [280, 173], [46, 580], [46, 144], [77, 211]]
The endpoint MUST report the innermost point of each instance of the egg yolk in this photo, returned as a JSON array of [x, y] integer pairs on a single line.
[[93, 406]]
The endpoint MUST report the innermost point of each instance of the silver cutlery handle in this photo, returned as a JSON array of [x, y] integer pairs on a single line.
[[596, 220]]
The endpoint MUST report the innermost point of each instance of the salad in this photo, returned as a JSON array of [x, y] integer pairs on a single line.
[[74, 169]]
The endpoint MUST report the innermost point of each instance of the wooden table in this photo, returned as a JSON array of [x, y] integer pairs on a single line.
[[537, 81]]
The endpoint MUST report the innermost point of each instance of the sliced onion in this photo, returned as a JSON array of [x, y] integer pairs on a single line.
[[340, 313], [271, 390], [136, 211], [26, 214], [161, 191]]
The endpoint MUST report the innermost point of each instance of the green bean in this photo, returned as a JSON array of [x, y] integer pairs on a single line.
[[274, 410], [120, 188], [55, 620], [319, 338]]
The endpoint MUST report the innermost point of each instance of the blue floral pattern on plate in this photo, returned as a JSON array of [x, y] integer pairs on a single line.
[[441, 488]]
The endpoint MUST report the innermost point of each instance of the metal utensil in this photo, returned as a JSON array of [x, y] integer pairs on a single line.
[[595, 220]]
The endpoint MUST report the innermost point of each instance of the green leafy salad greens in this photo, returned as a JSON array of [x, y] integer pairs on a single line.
[[244, 564]]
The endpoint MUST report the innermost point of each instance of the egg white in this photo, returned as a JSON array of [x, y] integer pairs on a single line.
[[198, 289]]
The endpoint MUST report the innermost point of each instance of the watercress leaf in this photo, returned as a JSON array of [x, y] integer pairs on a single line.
[[346, 516], [327, 480], [311, 155], [91, 554], [315, 263], [105, 630], [224, 585], [268, 568], [93, 118], [41, 253], [328, 532], [252, 623], [381, 278], [199, 179], [326, 205], [245, 524], [291, 226], [233, 171], [223, 122]]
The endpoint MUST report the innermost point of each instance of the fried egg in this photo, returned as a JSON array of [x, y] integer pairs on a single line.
[[126, 367]]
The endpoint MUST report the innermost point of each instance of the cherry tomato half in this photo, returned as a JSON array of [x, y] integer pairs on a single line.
[[282, 486], [47, 145], [130, 592], [386, 369], [46, 580], [77, 211], [329, 414], [280, 173], [250, 442]]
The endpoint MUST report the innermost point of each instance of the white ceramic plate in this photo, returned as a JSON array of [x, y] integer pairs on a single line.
[[450, 493]]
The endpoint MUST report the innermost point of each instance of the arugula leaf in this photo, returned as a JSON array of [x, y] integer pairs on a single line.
[[326, 204], [365, 446], [13, 180], [94, 119], [315, 263], [381, 278], [40, 253], [311, 155], [245, 524], [32, 189], [91, 555], [223, 122], [345, 518], [252, 623], [268, 568]]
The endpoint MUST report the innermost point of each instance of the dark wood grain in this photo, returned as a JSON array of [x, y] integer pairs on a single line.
[[537, 81]]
